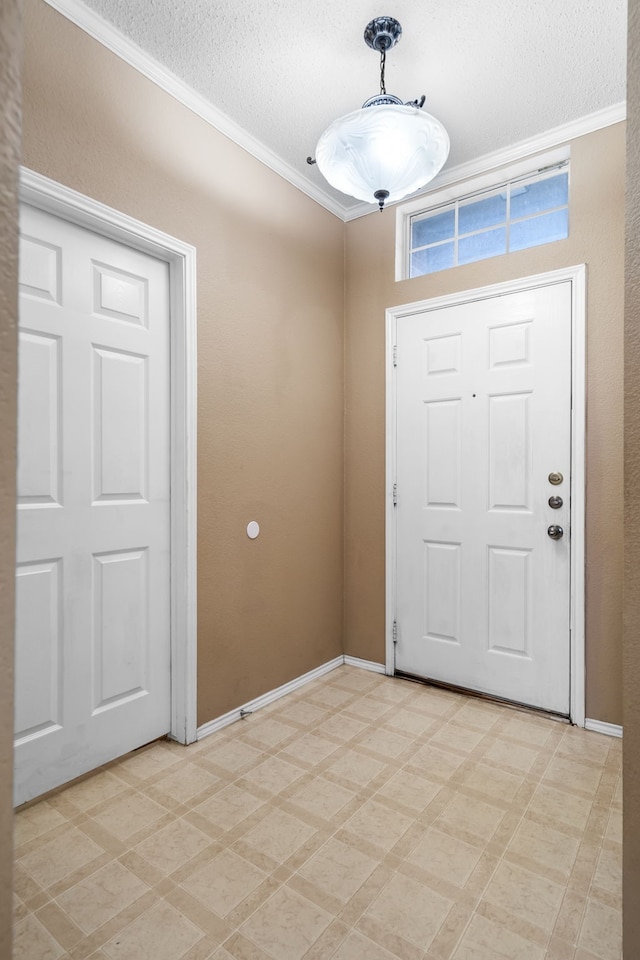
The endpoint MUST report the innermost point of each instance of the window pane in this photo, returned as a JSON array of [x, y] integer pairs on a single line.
[[544, 229], [543, 195], [432, 259], [438, 227], [481, 245], [482, 213]]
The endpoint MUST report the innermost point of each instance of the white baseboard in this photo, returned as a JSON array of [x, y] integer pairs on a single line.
[[207, 728], [267, 698], [364, 664], [599, 726]]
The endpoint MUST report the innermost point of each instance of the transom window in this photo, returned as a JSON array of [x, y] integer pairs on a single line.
[[524, 211]]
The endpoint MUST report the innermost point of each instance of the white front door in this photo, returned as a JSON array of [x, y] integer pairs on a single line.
[[483, 424], [93, 550]]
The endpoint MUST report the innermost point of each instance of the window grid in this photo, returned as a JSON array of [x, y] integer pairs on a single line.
[[505, 224]]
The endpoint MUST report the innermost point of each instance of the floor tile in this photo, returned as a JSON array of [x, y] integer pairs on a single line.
[[601, 931], [127, 816], [536, 731], [338, 869], [360, 818], [101, 896], [341, 727], [493, 782], [608, 875], [580, 777], [544, 846], [446, 857], [188, 781], [410, 790], [161, 933], [169, 848], [378, 824], [506, 754], [95, 789], [550, 804], [273, 774], [268, 732], [355, 768], [224, 882], [231, 754], [35, 821], [435, 763], [278, 835], [32, 940], [525, 895], [149, 762], [311, 749], [487, 940], [60, 857], [322, 797], [470, 818], [286, 925], [410, 911], [228, 807], [458, 737]]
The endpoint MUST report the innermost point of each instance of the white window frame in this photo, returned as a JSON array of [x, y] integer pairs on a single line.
[[462, 189]]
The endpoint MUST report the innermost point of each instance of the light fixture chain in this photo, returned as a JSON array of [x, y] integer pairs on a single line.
[[383, 60]]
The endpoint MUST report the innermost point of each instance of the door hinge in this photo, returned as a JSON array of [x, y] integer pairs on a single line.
[[395, 494], [394, 631], [395, 354]]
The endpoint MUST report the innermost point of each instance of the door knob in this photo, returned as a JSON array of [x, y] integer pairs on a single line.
[[555, 532]]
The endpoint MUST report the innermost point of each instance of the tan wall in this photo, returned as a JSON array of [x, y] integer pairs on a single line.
[[10, 47], [270, 349], [631, 660], [597, 238]]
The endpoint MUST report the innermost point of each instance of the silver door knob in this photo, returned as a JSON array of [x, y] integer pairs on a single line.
[[555, 532]]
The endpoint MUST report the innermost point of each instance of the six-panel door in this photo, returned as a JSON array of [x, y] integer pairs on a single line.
[[483, 418], [93, 551]]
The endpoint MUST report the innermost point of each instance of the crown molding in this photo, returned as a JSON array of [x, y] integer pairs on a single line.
[[131, 53], [511, 154]]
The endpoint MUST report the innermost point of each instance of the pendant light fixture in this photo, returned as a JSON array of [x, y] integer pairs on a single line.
[[387, 149]]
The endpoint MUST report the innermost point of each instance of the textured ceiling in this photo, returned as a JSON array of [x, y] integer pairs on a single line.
[[493, 73]]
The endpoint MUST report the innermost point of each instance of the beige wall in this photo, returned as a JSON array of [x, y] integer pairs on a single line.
[[270, 349], [631, 662], [10, 46], [596, 238]]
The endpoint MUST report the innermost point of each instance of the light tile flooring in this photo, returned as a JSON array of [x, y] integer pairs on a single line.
[[359, 818]]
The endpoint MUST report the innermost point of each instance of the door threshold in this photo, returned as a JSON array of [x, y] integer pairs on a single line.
[[487, 697]]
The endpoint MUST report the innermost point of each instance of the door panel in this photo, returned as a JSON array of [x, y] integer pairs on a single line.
[[483, 416], [93, 577]]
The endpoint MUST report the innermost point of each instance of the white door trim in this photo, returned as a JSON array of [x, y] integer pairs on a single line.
[[54, 198], [577, 276]]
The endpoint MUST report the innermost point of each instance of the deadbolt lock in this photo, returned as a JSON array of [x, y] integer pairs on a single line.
[[555, 478], [555, 502]]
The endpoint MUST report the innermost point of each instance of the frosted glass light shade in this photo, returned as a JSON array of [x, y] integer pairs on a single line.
[[387, 147]]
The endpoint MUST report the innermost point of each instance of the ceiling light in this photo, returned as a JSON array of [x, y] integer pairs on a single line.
[[387, 149]]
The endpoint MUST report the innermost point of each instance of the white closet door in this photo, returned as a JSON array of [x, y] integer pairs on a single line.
[[93, 554]]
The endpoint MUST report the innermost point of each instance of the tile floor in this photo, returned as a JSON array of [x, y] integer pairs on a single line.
[[359, 818]]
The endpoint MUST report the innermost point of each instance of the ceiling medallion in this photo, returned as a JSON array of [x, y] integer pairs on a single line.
[[387, 149]]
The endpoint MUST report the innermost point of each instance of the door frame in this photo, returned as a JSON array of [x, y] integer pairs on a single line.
[[577, 276], [67, 204]]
